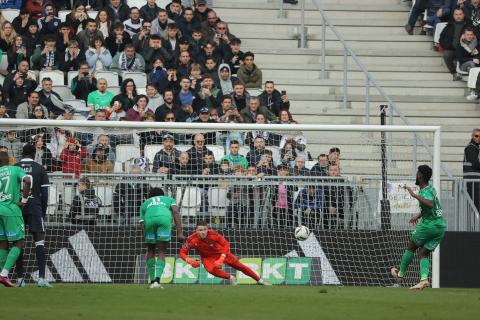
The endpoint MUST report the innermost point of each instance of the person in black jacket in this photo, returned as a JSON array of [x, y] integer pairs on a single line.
[[83, 83], [85, 205], [468, 51], [129, 196], [471, 167], [450, 40], [118, 11], [117, 40], [273, 99]]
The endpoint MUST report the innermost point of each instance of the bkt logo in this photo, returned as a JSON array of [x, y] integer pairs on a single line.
[[88, 257]]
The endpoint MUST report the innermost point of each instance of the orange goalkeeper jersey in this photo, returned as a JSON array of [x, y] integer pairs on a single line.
[[214, 244]]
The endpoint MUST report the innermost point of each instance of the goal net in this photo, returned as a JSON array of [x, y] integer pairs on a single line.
[[252, 183]]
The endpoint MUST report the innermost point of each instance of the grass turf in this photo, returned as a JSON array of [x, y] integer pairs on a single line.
[[196, 302]]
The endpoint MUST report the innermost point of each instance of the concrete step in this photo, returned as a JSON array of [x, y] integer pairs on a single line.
[[382, 5], [324, 106], [377, 98], [280, 82]]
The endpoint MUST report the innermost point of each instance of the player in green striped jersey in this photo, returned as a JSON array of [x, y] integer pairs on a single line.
[[428, 232]]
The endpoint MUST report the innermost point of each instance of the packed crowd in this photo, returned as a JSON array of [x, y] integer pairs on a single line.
[[458, 40]]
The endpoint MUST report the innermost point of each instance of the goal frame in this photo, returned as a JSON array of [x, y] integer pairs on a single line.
[[436, 130]]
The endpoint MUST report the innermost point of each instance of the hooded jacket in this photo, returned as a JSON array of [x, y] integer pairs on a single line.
[[471, 163]]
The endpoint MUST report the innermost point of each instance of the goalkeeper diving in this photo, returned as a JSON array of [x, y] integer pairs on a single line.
[[428, 232], [214, 251]]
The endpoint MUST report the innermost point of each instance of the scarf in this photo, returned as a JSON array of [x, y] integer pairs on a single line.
[[125, 65], [49, 59], [469, 46]]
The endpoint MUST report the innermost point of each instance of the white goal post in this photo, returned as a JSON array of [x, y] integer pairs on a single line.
[[311, 129]]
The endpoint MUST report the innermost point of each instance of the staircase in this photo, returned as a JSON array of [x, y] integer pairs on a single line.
[[407, 67]]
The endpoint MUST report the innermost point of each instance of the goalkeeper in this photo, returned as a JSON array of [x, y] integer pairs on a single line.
[[427, 234], [214, 251], [156, 218]]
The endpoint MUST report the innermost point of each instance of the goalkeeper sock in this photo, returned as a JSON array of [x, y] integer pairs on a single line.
[[11, 259], [159, 266], [424, 268], [3, 257], [406, 259], [151, 269]]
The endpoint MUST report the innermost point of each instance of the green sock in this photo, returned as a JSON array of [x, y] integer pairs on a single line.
[[159, 266], [406, 259], [424, 268], [151, 269], [12, 258], [3, 257]]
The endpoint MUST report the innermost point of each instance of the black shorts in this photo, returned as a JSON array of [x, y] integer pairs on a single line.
[[33, 217]]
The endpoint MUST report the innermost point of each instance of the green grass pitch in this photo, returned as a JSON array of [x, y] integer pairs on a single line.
[[198, 302]]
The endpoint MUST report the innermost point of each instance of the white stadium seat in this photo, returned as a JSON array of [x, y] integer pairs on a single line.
[[114, 89], [189, 200], [105, 193], [309, 164], [151, 150], [217, 201], [4, 62], [78, 105], [110, 76], [57, 77], [10, 14], [438, 31], [275, 154], [70, 76], [218, 151], [139, 78], [64, 92], [126, 152], [93, 14], [62, 14], [163, 3]]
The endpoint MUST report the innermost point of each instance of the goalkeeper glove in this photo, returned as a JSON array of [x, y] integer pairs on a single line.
[[218, 263], [194, 263]]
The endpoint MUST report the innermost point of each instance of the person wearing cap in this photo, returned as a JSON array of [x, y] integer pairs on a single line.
[[99, 163], [21, 22], [48, 23], [282, 200], [129, 195], [12, 143], [165, 159], [201, 11], [186, 24]]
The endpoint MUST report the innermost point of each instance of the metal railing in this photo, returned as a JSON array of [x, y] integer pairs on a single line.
[[369, 79]]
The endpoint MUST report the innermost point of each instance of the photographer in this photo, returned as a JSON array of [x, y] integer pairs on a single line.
[[21, 72], [228, 113], [49, 24], [18, 91], [83, 83], [141, 38]]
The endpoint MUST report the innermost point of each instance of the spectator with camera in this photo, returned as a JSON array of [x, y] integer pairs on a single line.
[[17, 91], [47, 57], [273, 99], [104, 140], [118, 39], [227, 112], [48, 23], [207, 95], [83, 83], [288, 154], [98, 162], [141, 39], [50, 99], [98, 56], [20, 72]]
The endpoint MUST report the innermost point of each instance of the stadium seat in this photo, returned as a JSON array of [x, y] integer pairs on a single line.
[[275, 154], [118, 167], [114, 89], [64, 92], [182, 147], [10, 14], [464, 74], [110, 76], [70, 76], [93, 14], [78, 105], [136, 3], [139, 78], [438, 31], [218, 151], [68, 194], [151, 150], [32, 74], [52, 199], [472, 78], [126, 152], [142, 90], [244, 150], [254, 92], [4, 62], [62, 14], [217, 201], [309, 164], [189, 200], [57, 77], [104, 192], [163, 3]]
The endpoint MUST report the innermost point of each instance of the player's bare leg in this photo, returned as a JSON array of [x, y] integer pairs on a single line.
[[424, 255]]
